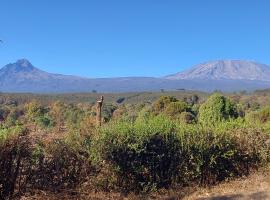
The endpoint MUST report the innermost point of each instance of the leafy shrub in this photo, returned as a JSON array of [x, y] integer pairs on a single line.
[[175, 108], [15, 162], [45, 121], [142, 154], [3, 114], [217, 108], [12, 118], [73, 116], [58, 166], [162, 103], [187, 118], [156, 153], [107, 111], [260, 116], [215, 157], [25, 163]]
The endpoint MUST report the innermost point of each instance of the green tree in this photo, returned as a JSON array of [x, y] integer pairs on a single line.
[[217, 108]]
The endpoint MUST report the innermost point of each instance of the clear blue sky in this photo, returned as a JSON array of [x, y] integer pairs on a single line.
[[98, 38]]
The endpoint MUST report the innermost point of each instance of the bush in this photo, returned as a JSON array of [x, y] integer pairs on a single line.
[[141, 148], [58, 166], [15, 162], [176, 108], [187, 117], [26, 163], [107, 111], [156, 153], [162, 103], [261, 116], [143, 155], [216, 109], [215, 157], [120, 100]]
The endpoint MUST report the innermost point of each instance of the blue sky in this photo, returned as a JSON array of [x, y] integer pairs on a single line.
[[110, 38]]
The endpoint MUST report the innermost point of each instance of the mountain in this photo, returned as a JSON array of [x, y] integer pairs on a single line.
[[225, 69], [22, 76], [23, 70]]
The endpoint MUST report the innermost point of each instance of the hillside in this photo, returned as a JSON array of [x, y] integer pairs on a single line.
[[225, 69]]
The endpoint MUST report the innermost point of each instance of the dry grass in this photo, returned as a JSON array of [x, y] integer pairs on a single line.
[[254, 187]]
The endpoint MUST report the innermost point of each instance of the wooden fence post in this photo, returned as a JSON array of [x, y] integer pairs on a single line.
[[99, 108]]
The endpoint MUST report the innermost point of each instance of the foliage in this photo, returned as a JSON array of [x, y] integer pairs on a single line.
[[120, 100], [187, 117], [107, 111], [53, 166], [140, 147], [58, 166], [175, 108], [57, 113], [260, 116], [161, 104], [216, 109], [155, 153]]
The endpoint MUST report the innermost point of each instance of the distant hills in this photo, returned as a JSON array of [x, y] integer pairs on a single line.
[[226, 75]]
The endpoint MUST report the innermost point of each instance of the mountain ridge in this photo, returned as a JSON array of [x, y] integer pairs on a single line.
[[22, 76]]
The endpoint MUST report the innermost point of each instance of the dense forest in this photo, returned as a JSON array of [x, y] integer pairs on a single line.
[[147, 141]]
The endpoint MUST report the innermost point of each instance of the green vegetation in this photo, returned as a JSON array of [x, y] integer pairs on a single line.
[[216, 109], [140, 147]]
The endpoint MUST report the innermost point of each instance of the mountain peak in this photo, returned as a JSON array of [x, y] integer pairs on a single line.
[[21, 65], [24, 63], [225, 69]]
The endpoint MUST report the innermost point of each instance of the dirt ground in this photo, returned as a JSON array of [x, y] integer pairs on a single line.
[[254, 187]]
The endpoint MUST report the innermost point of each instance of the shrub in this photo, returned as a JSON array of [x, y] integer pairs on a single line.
[[120, 100], [138, 150], [45, 121], [58, 166], [3, 113], [214, 157], [15, 162], [260, 116], [107, 111], [187, 118], [26, 163], [156, 153], [143, 154], [217, 108], [162, 103], [175, 108]]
